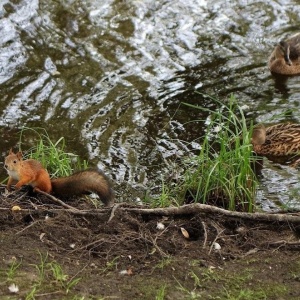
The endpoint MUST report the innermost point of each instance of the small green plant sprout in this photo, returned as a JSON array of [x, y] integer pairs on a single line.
[[61, 278], [71, 283], [197, 281], [190, 294], [41, 267], [111, 265], [32, 293], [51, 154], [221, 174], [57, 272], [11, 272], [165, 261], [161, 293], [53, 274], [245, 294], [164, 198], [209, 275]]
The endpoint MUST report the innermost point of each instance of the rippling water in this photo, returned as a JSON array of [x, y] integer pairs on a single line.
[[110, 78]]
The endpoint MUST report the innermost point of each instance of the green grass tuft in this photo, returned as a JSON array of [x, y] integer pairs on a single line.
[[221, 173], [51, 154]]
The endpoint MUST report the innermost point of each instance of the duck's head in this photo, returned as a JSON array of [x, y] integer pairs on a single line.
[[285, 48], [259, 135]]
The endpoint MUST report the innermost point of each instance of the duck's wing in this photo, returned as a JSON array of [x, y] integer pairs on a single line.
[[284, 133]]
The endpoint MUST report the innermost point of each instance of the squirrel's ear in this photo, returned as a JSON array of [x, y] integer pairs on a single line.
[[19, 155], [11, 151]]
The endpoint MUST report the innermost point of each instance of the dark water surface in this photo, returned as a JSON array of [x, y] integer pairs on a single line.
[[109, 76]]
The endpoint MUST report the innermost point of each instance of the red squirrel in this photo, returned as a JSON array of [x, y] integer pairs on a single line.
[[31, 172]]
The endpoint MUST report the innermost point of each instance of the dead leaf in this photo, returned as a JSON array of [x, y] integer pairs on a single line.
[[16, 208], [185, 233], [42, 235]]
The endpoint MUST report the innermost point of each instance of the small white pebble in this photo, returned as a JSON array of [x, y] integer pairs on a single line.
[[160, 226], [241, 230], [42, 236], [138, 201], [72, 245], [123, 272], [217, 246], [244, 107], [13, 288]]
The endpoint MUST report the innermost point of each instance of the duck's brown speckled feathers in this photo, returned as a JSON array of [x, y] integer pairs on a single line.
[[278, 140], [285, 58]]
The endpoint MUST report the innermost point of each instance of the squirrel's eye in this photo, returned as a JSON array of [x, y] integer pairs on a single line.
[[15, 161]]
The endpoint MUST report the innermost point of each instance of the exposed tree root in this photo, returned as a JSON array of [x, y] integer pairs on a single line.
[[198, 208], [191, 209]]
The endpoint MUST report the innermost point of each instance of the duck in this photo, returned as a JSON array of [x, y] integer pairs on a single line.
[[285, 58], [277, 142]]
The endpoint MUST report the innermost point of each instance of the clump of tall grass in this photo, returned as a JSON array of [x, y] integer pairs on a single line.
[[221, 174], [52, 154]]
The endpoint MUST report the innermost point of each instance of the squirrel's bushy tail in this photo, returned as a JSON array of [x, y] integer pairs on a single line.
[[84, 182]]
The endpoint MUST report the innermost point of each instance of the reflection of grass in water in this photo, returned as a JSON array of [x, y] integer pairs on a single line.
[[293, 199], [276, 184], [287, 200], [294, 193], [280, 188]]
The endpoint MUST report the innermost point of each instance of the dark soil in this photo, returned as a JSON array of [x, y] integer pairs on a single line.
[[128, 257]]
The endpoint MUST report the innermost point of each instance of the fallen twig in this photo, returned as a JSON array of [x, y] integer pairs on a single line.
[[71, 208], [25, 228], [114, 208], [205, 234]]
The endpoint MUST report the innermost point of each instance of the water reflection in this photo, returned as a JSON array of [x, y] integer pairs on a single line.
[[280, 84], [111, 76]]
